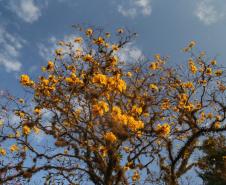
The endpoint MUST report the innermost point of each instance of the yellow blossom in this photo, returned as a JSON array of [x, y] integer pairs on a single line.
[[100, 78], [213, 62], [136, 110], [136, 176], [192, 44], [103, 151], [192, 66], [109, 136], [2, 151], [115, 47], [116, 110], [88, 58], [25, 80], [129, 74], [100, 108], [217, 125], [113, 60], [99, 41], [89, 32], [208, 71], [78, 39], [218, 72], [14, 148], [26, 130], [163, 129], [50, 65], [153, 66], [107, 34], [59, 52], [37, 110], [153, 87], [21, 100]]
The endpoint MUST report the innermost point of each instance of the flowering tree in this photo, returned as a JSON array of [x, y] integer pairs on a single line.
[[105, 121]]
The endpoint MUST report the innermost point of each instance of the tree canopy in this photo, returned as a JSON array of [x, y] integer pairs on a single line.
[[213, 164], [109, 122]]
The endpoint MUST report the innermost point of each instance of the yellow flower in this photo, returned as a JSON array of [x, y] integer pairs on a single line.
[[25, 80], [2, 151], [192, 44], [163, 129], [103, 105], [50, 65], [136, 176], [129, 74], [100, 108], [109, 136], [218, 72], [17, 134], [146, 114], [107, 34], [14, 148], [100, 78], [165, 104], [208, 71], [192, 66], [37, 110], [115, 47], [99, 41], [103, 151], [188, 85], [59, 51], [21, 100], [113, 60], [78, 39], [217, 125], [116, 110], [26, 130], [89, 32], [136, 110], [153, 87], [213, 62], [20, 114], [88, 58], [153, 66]]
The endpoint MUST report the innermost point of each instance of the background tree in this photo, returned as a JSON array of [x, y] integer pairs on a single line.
[[213, 164], [108, 122]]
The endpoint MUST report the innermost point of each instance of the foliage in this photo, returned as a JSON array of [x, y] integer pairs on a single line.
[[107, 121], [213, 164]]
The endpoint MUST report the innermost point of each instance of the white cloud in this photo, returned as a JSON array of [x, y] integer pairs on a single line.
[[210, 11], [10, 47], [46, 50], [25, 9], [130, 53], [132, 8]]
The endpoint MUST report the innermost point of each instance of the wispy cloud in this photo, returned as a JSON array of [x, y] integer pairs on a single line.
[[130, 53], [210, 11], [27, 10], [10, 46], [47, 49], [132, 8]]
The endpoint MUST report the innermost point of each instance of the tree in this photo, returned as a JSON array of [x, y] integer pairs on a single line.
[[106, 121], [213, 164]]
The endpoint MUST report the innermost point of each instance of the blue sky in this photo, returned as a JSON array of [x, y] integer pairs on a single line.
[[29, 29]]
